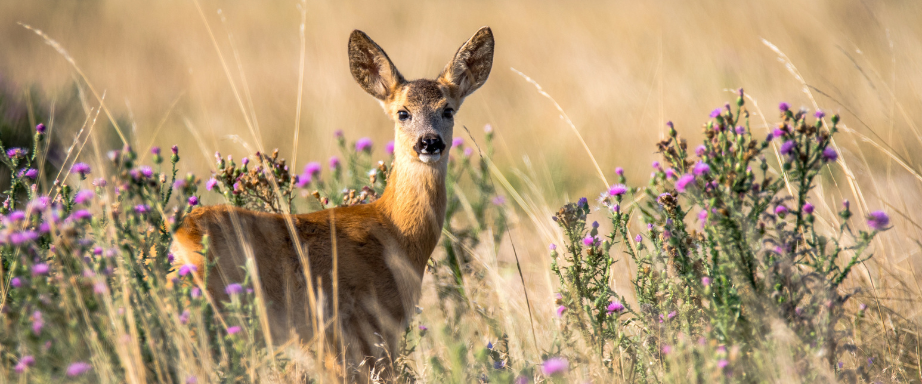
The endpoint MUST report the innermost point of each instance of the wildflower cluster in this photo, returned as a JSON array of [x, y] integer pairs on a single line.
[[723, 252]]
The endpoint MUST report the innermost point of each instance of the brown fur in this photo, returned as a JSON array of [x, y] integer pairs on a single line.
[[382, 248]]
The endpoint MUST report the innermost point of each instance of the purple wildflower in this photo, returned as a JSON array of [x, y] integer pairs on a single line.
[[703, 215], [781, 209], [830, 154], [195, 292], [338, 133], [16, 152], [210, 184], [187, 269], [700, 150], [819, 114], [81, 215], [808, 208], [83, 196], [878, 220], [499, 200], [784, 107], [740, 130], [722, 363], [40, 128], [155, 151], [146, 171], [701, 168], [638, 238], [552, 247], [303, 180], [787, 147], [16, 282], [334, 163], [80, 168], [191, 380], [312, 168], [769, 137], [234, 289], [617, 190], [681, 185], [670, 173], [184, 317], [778, 132], [389, 148], [193, 200], [78, 368], [666, 349], [40, 269], [715, 113], [37, 323], [31, 173], [423, 328], [862, 306], [560, 310], [457, 142], [656, 165], [468, 152], [141, 209], [705, 281], [555, 366], [174, 150], [619, 171], [589, 241], [582, 202], [363, 145], [234, 330], [615, 306]]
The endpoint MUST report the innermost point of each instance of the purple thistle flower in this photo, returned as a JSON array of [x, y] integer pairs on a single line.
[[389, 148], [615, 306], [582, 202], [100, 182], [619, 171], [722, 363], [40, 128], [588, 241], [81, 168], [617, 190], [210, 184], [670, 173], [705, 281], [656, 165], [423, 328], [681, 185], [555, 366], [141, 209], [560, 310], [16, 216], [338, 133], [195, 292], [78, 368], [193, 200], [146, 171], [31, 173], [313, 168], [552, 247], [666, 349], [233, 330], [81, 215], [180, 184], [174, 150], [778, 132], [819, 114], [701, 168], [184, 317], [245, 160], [233, 289], [84, 196], [155, 151], [334, 163], [191, 380], [788, 147], [862, 306], [468, 151], [16, 152], [638, 238], [830, 154], [781, 209], [845, 204], [37, 323], [878, 220], [715, 113], [671, 315], [363, 145], [40, 269], [457, 142], [187, 269], [99, 288], [740, 130], [784, 107], [488, 129], [808, 208], [700, 150], [499, 200]]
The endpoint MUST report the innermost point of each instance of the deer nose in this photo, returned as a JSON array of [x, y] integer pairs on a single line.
[[429, 144]]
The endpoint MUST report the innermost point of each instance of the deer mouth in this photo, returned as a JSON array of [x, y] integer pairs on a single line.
[[429, 148]]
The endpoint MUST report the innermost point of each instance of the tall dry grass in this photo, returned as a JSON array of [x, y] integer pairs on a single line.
[[619, 70]]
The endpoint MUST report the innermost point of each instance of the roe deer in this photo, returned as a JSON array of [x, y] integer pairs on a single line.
[[382, 248]]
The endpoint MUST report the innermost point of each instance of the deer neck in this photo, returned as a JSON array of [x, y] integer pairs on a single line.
[[414, 201]]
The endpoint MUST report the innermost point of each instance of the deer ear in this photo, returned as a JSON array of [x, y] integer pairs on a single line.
[[371, 67], [470, 67]]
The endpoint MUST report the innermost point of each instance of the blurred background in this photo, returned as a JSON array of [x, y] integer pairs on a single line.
[[619, 69]]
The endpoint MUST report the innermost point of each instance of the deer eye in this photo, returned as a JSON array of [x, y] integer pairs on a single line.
[[448, 113], [403, 115]]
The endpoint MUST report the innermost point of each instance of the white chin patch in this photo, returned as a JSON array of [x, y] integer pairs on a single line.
[[429, 158]]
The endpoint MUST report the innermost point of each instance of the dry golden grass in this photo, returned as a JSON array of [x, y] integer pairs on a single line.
[[618, 69]]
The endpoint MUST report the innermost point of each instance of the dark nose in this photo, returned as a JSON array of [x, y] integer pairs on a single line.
[[429, 144]]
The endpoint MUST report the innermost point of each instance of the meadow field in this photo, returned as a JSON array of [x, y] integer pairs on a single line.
[[579, 97]]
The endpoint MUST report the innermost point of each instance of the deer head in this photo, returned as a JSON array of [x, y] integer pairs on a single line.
[[423, 110]]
